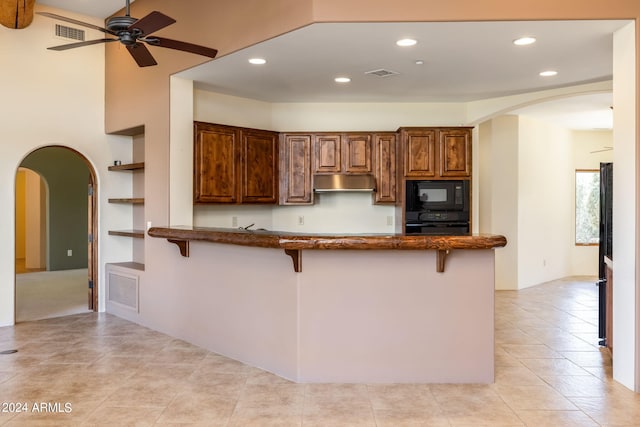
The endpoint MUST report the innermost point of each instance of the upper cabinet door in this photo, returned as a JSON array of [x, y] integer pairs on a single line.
[[215, 166], [384, 148], [326, 153], [259, 166], [419, 152], [455, 152], [356, 153], [295, 170]]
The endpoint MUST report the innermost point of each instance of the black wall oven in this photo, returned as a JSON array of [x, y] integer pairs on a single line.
[[437, 207]]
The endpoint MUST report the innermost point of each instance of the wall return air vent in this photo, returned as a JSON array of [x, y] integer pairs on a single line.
[[69, 33]]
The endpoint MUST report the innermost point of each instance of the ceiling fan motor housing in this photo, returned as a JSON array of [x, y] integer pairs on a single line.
[[119, 25]]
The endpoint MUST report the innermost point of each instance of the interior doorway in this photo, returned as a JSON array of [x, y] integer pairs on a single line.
[[31, 200], [55, 235]]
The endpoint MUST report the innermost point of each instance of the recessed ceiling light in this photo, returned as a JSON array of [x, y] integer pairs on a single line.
[[523, 41], [419, 62], [406, 42], [257, 61], [342, 79], [548, 73]]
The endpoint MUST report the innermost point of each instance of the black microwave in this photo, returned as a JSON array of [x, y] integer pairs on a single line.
[[437, 195], [437, 207]]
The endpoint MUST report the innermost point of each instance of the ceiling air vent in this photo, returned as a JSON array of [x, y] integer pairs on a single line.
[[69, 33], [382, 73]]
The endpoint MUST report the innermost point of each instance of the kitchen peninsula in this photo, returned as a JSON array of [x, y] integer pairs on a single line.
[[364, 308]]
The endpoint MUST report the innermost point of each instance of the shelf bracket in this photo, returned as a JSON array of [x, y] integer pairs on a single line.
[[183, 245], [441, 256], [296, 257]]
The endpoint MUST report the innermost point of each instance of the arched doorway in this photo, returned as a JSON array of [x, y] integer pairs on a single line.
[[56, 223]]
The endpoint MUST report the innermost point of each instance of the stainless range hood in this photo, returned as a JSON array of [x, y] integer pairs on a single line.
[[341, 182]]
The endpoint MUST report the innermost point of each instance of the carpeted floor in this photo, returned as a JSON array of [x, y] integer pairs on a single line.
[[47, 294]]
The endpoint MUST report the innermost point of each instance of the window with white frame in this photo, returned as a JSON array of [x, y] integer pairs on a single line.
[[587, 207]]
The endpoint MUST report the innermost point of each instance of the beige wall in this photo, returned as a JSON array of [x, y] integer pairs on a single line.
[[545, 186], [53, 98]]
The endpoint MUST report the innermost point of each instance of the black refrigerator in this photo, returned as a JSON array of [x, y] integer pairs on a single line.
[[605, 245]]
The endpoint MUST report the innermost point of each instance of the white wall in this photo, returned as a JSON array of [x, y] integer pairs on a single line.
[[54, 98], [625, 303], [370, 116], [545, 188], [498, 172]]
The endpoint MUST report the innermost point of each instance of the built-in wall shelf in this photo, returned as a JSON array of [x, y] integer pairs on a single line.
[[131, 265], [127, 167], [128, 233], [129, 200]]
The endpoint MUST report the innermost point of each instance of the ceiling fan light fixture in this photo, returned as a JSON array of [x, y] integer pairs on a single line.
[[524, 41], [257, 61], [406, 42]]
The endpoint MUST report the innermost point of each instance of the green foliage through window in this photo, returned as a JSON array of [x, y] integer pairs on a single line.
[[587, 207]]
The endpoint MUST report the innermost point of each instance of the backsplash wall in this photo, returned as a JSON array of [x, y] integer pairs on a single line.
[[349, 212]]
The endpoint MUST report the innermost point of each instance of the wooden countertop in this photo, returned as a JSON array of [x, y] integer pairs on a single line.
[[293, 243], [288, 240]]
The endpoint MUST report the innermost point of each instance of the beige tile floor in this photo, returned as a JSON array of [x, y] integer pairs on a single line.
[[549, 372]]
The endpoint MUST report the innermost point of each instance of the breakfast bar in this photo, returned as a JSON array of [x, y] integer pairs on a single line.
[[367, 308], [293, 243]]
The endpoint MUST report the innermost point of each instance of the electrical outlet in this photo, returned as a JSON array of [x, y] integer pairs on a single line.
[[300, 220], [69, 252], [234, 221], [389, 220]]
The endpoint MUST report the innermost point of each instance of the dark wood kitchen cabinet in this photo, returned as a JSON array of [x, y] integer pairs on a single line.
[[436, 153], [356, 153], [419, 148], [295, 169], [384, 154], [342, 153], [235, 165], [455, 152], [326, 153], [258, 166]]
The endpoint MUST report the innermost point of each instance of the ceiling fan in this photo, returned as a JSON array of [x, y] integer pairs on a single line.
[[133, 33]]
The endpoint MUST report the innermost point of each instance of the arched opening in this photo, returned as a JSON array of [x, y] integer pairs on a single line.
[[54, 235]]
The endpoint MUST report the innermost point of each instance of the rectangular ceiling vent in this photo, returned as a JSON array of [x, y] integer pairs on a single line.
[[69, 33], [382, 73]]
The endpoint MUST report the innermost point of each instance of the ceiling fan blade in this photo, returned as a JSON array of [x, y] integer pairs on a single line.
[[76, 22], [142, 55], [80, 44], [184, 46], [151, 23]]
